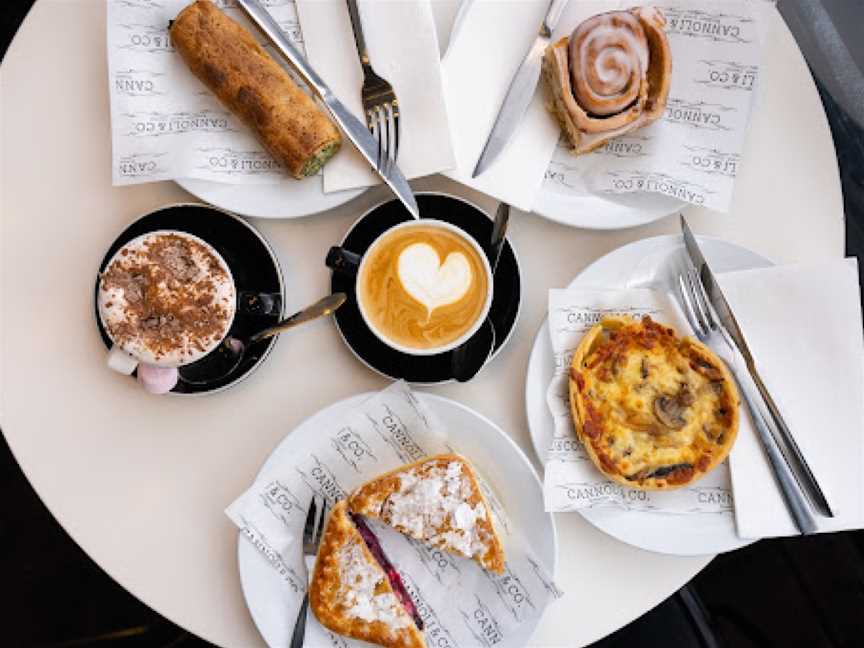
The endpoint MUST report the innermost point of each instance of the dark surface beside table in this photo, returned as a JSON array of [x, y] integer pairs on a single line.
[[791, 592]]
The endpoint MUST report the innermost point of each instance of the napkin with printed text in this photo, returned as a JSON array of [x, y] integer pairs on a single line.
[[165, 124], [459, 602]]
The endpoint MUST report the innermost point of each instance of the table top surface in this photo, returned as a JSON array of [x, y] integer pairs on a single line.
[[141, 482]]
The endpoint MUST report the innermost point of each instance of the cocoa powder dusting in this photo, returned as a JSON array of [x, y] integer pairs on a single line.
[[171, 300]]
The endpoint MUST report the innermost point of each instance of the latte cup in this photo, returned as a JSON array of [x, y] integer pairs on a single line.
[[435, 273], [202, 272]]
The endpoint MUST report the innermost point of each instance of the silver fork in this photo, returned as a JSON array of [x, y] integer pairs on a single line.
[[379, 101], [312, 532], [706, 325]]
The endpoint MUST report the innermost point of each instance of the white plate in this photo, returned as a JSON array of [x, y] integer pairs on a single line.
[[611, 212], [652, 262], [508, 471], [289, 198]]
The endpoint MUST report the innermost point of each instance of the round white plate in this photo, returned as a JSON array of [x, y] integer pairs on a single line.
[[289, 198], [507, 469], [610, 212], [649, 263]]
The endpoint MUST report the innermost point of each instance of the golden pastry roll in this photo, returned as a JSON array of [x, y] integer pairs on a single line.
[[231, 63]]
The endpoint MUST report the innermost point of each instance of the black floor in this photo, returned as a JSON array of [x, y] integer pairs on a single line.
[[805, 592]]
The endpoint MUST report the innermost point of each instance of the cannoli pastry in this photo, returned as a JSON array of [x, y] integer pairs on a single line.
[[244, 77], [610, 77], [437, 501]]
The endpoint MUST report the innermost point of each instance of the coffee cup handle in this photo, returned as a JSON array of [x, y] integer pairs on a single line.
[[343, 261], [120, 361], [258, 303]]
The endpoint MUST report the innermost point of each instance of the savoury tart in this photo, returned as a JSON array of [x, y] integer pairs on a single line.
[[654, 411]]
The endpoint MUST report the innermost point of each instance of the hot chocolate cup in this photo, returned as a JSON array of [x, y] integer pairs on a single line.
[[130, 349]]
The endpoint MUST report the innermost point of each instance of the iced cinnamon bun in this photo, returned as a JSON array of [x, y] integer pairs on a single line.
[[610, 77]]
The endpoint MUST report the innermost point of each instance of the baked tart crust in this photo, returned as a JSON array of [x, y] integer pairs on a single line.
[[437, 501], [654, 411], [351, 594]]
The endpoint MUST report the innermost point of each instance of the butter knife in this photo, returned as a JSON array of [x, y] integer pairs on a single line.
[[353, 128], [786, 442], [521, 91]]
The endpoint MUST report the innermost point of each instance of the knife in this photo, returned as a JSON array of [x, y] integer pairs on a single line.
[[353, 128], [521, 91], [787, 443]]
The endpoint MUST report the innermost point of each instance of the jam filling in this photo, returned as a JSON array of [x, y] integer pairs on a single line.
[[395, 580]]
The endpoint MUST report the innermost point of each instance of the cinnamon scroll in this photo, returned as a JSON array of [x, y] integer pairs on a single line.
[[610, 77]]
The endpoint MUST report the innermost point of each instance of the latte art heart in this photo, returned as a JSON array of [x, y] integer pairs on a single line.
[[430, 282], [422, 286]]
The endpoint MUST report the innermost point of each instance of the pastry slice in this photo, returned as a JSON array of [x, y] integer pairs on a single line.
[[356, 592], [438, 501]]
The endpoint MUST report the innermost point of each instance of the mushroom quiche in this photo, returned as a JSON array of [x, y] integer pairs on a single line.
[[654, 411]]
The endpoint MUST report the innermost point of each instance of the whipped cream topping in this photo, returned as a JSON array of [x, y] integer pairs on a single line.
[[434, 507], [167, 298], [359, 581], [431, 282]]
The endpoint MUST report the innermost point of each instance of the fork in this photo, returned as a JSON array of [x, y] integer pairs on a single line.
[[705, 324], [312, 532], [379, 101]]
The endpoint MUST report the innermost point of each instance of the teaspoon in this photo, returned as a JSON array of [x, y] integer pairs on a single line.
[[230, 353]]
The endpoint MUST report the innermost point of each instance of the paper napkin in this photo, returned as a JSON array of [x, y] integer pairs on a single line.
[[488, 45], [803, 325], [403, 49]]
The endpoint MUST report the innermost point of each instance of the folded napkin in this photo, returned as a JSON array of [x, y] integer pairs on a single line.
[[403, 49], [488, 44], [803, 325]]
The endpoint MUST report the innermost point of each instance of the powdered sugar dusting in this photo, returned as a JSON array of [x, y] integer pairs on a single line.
[[360, 580], [433, 506]]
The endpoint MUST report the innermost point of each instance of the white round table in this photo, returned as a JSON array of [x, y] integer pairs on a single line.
[[140, 482]]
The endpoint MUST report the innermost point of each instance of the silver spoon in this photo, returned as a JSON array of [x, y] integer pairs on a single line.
[[230, 353], [468, 359]]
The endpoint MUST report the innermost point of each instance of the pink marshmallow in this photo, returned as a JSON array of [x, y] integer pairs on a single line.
[[157, 380]]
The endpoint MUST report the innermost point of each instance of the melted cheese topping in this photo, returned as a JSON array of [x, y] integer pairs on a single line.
[[655, 409]]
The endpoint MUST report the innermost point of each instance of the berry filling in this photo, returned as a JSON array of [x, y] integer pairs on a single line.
[[395, 580]]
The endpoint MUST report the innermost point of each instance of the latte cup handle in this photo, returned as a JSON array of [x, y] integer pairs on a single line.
[[120, 361], [343, 261]]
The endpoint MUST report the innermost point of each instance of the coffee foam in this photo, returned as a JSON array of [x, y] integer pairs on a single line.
[[167, 299], [431, 282], [423, 286]]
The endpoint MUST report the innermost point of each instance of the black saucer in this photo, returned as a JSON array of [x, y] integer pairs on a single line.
[[435, 368], [253, 265]]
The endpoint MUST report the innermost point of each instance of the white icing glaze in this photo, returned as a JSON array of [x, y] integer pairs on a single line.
[[431, 282], [620, 56], [434, 508], [358, 578]]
